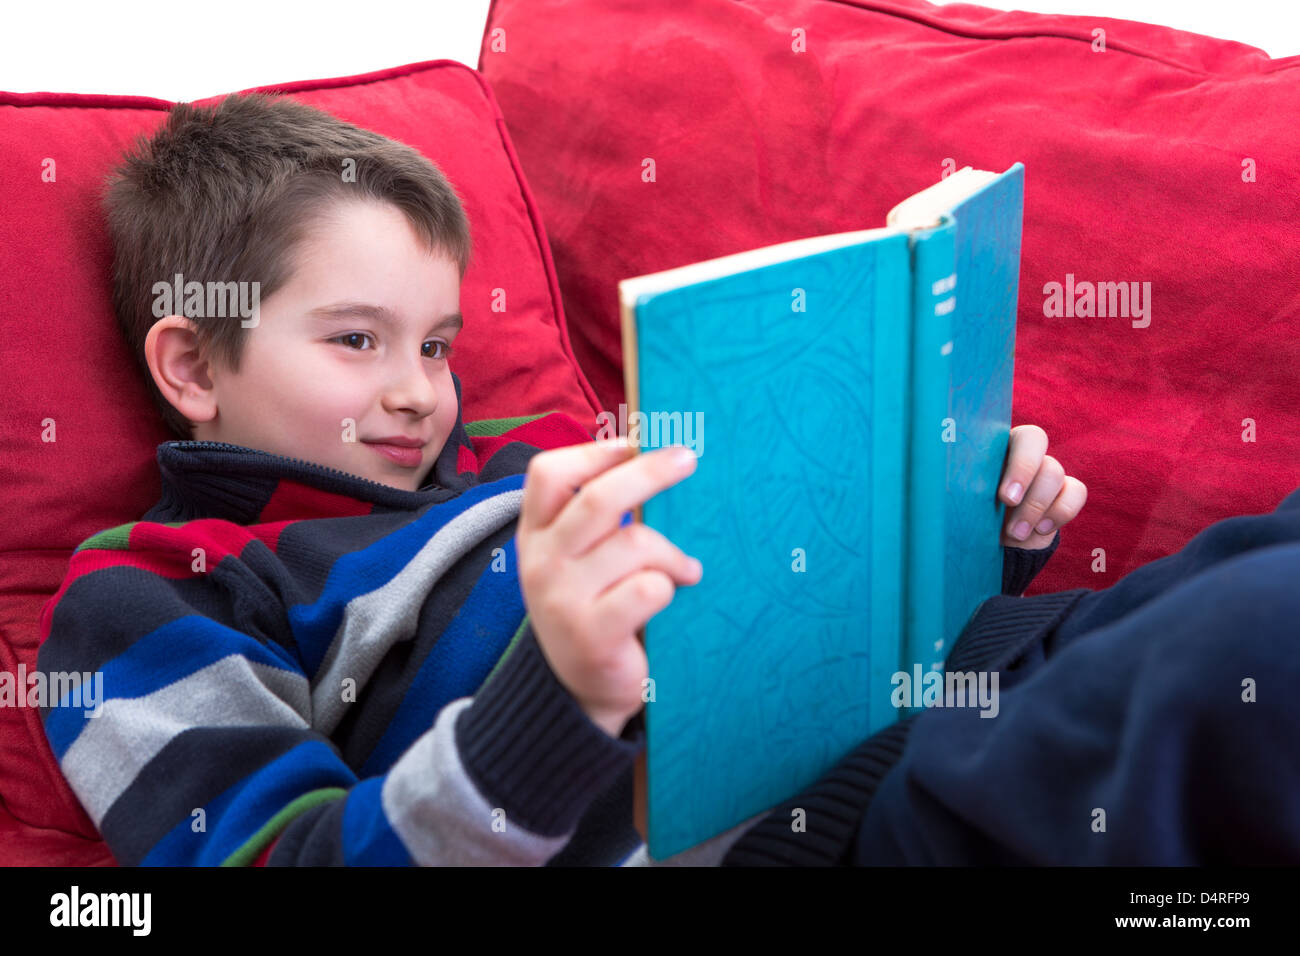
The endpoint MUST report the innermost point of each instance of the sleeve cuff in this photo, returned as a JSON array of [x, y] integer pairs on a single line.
[[1021, 565], [530, 748]]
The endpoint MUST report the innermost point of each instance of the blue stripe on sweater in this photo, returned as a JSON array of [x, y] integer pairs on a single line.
[[368, 838], [244, 808], [315, 625], [165, 655], [458, 663]]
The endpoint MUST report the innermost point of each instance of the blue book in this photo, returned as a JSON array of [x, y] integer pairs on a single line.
[[855, 393]]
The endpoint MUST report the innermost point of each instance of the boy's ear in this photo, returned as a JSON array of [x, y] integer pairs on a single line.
[[179, 369]]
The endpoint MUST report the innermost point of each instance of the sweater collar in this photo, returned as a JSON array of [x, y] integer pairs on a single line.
[[204, 479]]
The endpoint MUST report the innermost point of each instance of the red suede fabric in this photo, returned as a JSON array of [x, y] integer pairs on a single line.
[[1133, 172], [62, 358]]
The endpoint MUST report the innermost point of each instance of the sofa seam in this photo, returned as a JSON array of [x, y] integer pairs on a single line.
[[976, 33]]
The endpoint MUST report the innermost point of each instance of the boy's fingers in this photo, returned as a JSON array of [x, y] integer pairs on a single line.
[[1025, 450], [1038, 498], [554, 476], [596, 509], [631, 549], [615, 666], [630, 603], [1066, 507]]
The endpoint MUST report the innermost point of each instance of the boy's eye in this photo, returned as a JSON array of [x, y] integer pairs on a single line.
[[351, 341], [347, 339]]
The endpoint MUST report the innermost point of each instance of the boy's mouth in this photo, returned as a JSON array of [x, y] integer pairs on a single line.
[[407, 452]]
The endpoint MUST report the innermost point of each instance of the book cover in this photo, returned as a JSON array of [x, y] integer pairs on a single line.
[[847, 405]]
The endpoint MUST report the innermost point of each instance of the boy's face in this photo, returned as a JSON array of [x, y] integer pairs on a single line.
[[316, 358]]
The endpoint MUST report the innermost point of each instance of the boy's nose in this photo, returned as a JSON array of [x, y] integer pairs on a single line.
[[409, 388]]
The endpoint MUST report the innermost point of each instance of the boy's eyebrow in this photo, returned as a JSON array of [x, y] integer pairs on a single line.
[[377, 313]]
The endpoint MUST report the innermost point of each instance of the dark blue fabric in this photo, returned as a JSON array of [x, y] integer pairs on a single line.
[[1131, 707]]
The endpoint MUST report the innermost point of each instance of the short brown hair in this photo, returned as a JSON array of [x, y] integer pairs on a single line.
[[225, 193]]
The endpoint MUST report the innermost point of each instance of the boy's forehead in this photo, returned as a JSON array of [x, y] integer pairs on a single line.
[[353, 262], [377, 313], [360, 230]]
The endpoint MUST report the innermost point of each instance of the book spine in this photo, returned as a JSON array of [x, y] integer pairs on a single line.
[[934, 291]]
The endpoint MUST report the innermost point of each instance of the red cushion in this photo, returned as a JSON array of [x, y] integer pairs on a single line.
[[1133, 172], [62, 358]]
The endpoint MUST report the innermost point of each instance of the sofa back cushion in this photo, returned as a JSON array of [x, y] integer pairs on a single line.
[[1151, 156], [79, 433]]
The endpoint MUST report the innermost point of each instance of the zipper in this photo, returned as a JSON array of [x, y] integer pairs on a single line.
[[222, 446]]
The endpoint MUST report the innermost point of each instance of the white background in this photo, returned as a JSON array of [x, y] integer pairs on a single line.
[[178, 51]]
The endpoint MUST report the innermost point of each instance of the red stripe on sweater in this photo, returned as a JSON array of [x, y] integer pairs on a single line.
[[465, 460], [166, 552], [294, 501], [265, 854]]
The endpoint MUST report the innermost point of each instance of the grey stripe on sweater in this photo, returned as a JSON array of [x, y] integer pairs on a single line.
[[373, 622], [441, 816]]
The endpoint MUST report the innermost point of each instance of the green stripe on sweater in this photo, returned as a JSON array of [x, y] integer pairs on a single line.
[[492, 427], [255, 844], [506, 653], [117, 539], [114, 539]]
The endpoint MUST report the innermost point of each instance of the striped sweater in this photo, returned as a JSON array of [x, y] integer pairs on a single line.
[[304, 667]]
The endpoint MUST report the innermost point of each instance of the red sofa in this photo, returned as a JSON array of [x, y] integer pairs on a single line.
[[1150, 154]]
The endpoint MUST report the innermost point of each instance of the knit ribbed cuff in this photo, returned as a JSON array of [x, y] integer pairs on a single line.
[[531, 750], [1004, 626], [833, 809], [1021, 565]]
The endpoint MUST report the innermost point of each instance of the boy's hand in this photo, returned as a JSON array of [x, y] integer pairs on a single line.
[[588, 584], [1046, 494]]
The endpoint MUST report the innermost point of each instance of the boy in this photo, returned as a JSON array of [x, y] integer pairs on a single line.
[[316, 648]]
